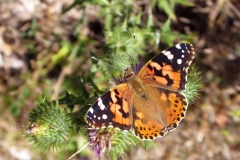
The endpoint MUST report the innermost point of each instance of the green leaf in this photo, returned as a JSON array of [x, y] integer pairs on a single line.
[[62, 53], [150, 22], [168, 8], [167, 34], [235, 113], [185, 2]]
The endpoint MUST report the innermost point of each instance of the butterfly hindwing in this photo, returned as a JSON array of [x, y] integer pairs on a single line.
[[161, 114]]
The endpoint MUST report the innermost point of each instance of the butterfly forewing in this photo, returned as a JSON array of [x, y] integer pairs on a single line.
[[169, 68], [111, 109]]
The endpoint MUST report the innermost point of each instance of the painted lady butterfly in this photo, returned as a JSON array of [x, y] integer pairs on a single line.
[[149, 101]]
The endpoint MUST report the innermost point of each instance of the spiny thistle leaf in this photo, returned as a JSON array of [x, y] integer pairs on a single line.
[[49, 126], [194, 84], [121, 141]]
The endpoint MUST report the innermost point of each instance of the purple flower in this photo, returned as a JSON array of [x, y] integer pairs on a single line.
[[99, 140], [31, 128]]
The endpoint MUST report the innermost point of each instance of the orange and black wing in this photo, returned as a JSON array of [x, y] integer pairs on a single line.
[[169, 68], [171, 109], [165, 76], [112, 109]]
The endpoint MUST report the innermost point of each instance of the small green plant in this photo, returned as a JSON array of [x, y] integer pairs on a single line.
[[50, 127], [168, 6]]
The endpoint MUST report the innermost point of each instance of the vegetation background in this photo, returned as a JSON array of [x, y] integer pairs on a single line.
[[46, 48]]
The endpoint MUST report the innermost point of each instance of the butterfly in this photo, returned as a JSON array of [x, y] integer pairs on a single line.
[[150, 102]]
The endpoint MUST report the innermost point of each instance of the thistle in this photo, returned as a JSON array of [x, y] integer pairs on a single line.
[[100, 140], [49, 126]]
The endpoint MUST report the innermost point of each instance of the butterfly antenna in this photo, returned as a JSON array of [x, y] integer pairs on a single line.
[[131, 59], [105, 63], [116, 80], [136, 64], [134, 36]]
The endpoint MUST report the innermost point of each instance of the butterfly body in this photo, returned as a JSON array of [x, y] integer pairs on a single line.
[[145, 98], [150, 101]]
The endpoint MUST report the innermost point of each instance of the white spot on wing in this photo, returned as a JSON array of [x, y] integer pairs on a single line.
[[100, 104], [166, 53], [169, 55], [99, 118], [91, 110], [179, 61], [178, 46], [182, 56], [104, 116]]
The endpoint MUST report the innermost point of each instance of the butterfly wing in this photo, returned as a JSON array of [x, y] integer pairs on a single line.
[[112, 109], [169, 68], [164, 114], [165, 76]]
